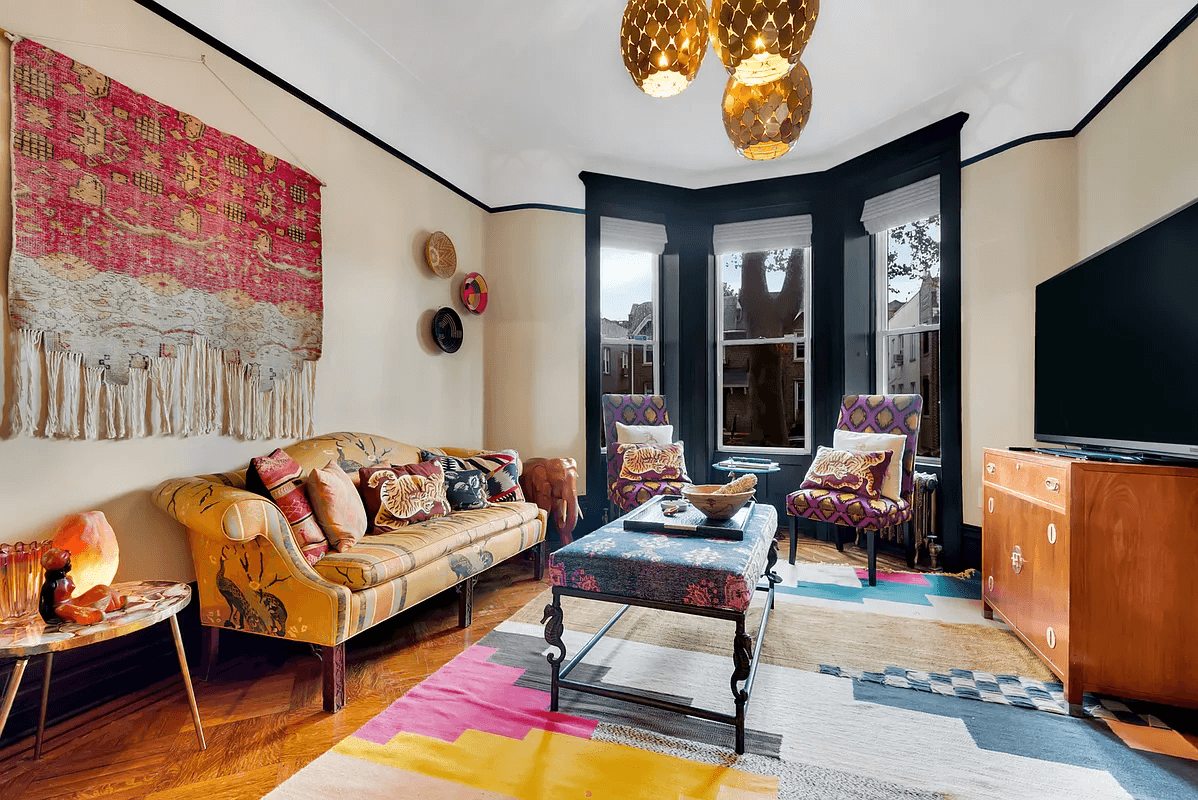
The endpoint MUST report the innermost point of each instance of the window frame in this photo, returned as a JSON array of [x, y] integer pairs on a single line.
[[627, 346], [805, 339], [882, 331]]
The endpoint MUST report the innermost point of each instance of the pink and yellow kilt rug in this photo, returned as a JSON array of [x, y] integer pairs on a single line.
[[480, 728]]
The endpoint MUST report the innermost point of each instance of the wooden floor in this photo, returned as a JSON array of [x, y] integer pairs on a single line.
[[262, 710]]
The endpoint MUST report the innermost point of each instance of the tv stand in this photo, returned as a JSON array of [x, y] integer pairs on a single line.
[[1092, 565]]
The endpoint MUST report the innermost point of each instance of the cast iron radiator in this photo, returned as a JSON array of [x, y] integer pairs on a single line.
[[924, 524]]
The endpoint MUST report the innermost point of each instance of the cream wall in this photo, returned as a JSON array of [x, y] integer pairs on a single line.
[[1018, 227], [535, 322], [379, 373], [1037, 209]]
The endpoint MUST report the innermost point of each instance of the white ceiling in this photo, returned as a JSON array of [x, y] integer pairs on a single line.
[[510, 100]]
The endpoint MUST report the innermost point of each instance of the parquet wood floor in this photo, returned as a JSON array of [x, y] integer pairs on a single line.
[[262, 710]]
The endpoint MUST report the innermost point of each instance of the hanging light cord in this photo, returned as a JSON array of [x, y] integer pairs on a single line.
[[203, 60]]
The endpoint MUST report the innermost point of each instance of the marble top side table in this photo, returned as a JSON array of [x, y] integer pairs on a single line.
[[150, 602]]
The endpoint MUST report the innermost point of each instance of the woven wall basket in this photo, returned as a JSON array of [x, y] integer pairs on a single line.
[[441, 256]]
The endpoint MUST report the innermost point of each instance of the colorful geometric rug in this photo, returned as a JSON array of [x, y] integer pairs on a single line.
[[479, 728]]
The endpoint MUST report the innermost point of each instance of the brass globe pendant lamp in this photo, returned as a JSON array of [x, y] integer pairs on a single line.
[[759, 41], [663, 42], [763, 121]]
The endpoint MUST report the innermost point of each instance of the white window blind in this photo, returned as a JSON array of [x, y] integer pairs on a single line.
[[761, 235], [627, 234], [917, 201]]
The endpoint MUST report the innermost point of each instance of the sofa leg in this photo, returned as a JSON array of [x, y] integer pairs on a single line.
[[466, 602], [332, 661], [794, 537], [540, 559], [209, 647]]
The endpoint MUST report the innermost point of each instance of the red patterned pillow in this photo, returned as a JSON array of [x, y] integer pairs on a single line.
[[396, 496], [651, 462], [279, 477], [848, 471]]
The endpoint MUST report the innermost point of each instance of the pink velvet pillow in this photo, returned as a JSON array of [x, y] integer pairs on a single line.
[[280, 477], [848, 471], [337, 505]]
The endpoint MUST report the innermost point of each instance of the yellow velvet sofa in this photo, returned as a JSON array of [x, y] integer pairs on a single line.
[[252, 576]]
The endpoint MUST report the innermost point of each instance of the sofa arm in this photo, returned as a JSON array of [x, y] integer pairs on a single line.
[[219, 511]]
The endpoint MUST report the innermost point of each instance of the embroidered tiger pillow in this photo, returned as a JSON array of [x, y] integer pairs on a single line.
[[652, 462], [848, 471], [396, 496]]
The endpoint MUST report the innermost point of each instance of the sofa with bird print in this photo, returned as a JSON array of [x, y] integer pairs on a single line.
[[252, 575]]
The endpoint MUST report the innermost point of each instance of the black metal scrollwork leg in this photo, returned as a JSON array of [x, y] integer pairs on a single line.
[[742, 659], [554, 628], [771, 562]]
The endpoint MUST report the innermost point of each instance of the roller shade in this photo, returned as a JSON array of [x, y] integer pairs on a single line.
[[890, 210], [760, 235], [627, 234]]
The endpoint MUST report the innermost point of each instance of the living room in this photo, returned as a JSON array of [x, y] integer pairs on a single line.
[[521, 135]]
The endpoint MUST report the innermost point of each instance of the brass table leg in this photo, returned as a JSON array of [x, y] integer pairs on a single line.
[[191, 695], [14, 681], [41, 718]]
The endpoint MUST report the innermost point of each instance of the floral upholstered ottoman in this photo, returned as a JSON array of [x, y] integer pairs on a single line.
[[685, 574]]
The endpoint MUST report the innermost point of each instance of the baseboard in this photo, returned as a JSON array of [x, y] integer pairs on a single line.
[[90, 676]]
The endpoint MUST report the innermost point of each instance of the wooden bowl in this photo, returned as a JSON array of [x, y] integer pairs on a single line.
[[716, 506]]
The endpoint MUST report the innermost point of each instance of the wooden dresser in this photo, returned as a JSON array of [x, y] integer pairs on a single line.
[[1095, 566]]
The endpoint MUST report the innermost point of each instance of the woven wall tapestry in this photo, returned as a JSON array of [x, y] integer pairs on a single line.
[[165, 276]]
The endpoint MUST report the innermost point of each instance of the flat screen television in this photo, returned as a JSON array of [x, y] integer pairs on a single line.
[[1117, 345]]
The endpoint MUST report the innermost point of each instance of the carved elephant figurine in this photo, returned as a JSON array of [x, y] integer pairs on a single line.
[[552, 483]]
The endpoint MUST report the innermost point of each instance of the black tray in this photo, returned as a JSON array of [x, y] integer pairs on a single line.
[[690, 522]]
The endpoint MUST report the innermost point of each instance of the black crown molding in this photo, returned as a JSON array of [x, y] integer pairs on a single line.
[[261, 71]]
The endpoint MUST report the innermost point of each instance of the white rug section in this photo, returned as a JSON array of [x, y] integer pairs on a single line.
[[834, 574], [957, 610], [822, 724]]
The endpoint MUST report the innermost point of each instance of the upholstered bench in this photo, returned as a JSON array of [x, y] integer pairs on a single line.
[[688, 575]]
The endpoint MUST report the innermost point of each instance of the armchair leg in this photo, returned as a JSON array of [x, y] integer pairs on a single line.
[[332, 662], [794, 537], [839, 541], [908, 529], [873, 557], [209, 647]]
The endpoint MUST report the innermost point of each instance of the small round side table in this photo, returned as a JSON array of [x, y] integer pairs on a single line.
[[765, 470], [150, 602]]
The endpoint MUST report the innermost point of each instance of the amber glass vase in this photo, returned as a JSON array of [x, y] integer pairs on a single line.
[[20, 580]]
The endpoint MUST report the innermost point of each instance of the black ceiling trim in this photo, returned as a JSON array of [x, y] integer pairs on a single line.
[[261, 71]]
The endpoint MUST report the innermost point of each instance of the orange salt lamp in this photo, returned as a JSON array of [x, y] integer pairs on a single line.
[[93, 548]]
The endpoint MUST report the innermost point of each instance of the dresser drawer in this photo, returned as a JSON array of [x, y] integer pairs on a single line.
[[1047, 483]]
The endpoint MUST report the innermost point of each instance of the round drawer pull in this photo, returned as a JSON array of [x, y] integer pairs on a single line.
[[1051, 635], [990, 584], [990, 505], [1052, 484], [1052, 533], [990, 468]]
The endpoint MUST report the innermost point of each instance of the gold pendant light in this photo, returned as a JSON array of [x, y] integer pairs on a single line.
[[763, 121], [759, 41], [663, 42]]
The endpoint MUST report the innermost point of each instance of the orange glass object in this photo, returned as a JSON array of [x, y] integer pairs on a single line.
[[93, 547]]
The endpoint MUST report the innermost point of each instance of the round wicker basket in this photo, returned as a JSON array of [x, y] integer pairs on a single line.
[[441, 256]]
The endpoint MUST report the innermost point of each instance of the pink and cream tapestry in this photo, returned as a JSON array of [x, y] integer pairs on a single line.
[[165, 276]]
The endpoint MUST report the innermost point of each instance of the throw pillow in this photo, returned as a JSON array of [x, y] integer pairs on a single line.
[[337, 505], [502, 471], [466, 489], [644, 434], [279, 477], [892, 487], [651, 462], [848, 471], [396, 496]]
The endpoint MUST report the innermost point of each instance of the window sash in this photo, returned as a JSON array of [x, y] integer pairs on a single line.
[[654, 330], [792, 339]]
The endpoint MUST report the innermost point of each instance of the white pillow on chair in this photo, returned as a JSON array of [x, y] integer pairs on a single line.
[[892, 484], [644, 434]]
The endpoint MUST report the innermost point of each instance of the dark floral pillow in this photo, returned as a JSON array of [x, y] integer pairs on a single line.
[[466, 489], [848, 471]]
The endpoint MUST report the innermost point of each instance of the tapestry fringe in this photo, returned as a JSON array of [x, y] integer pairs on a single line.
[[195, 393]]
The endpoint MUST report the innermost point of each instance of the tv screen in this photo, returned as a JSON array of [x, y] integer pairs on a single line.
[[1117, 345]]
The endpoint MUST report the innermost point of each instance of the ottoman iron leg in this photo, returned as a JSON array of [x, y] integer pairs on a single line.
[[742, 658], [552, 620]]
